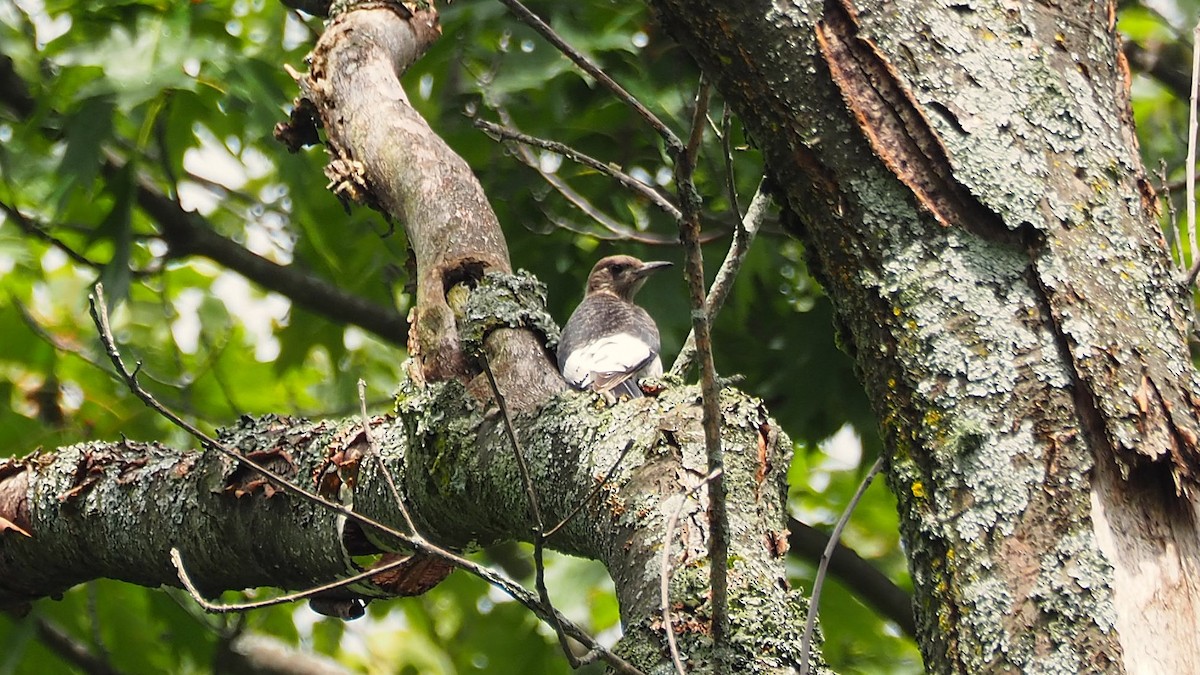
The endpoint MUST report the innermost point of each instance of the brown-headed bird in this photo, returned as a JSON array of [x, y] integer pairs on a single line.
[[609, 343]]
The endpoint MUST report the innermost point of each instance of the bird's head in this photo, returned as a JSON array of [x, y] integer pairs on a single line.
[[621, 275]]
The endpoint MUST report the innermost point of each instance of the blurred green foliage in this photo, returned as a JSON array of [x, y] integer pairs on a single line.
[[184, 97]]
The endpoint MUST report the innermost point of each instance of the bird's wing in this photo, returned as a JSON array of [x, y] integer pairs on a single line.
[[606, 362]]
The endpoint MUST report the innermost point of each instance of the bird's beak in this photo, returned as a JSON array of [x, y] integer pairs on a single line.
[[649, 268]]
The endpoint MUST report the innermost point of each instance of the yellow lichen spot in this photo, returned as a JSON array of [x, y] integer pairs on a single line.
[[891, 383], [950, 555], [896, 311], [918, 490], [932, 418]]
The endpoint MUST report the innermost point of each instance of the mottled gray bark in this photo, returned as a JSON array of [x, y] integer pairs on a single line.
[[115, 510], [966, 179]]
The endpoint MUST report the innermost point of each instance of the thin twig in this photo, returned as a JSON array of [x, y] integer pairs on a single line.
[[508, 586], [1191, 161], [723, 283], [526, 477], [1172, 220], [616, 230], [73, 651], [727, 151], [664, 571], [858, 575], [373, 451], [218, 608], [59, 344], [539, 563], [591, 495], [674, 145], [819, 581], [94, 623], [699, 116], [689, 234], [509, 134], [40, 231]]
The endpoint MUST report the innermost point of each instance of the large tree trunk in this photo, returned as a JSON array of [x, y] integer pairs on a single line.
[[966, 178]]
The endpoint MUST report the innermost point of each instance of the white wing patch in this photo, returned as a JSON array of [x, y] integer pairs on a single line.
[[605, 363]]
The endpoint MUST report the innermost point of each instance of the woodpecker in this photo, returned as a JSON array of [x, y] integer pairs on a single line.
[[609, 343]]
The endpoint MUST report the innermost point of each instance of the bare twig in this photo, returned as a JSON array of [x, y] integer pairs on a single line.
[[539, 539], [674, 145], [505, 133], [221, 608], [591, 495], [508, 586], [1191, 162], [689, 234], [1172, 228], [534, 507], [858, 575], [94, 624], [40, 231], [823, 568], [100, 317], [59, 344], [373, 451], [664, 570], [719, 291], [727, 151], [616, 230]]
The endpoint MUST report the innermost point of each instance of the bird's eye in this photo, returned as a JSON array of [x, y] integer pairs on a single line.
[[617, 268]]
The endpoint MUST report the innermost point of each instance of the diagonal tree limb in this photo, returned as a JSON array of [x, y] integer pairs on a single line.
[[188, 233], [858, 575]]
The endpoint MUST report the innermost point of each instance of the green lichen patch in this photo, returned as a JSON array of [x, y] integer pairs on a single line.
[[505, 301]]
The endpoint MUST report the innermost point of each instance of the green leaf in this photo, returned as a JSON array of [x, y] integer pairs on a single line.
[[86, 131], [118, 228]]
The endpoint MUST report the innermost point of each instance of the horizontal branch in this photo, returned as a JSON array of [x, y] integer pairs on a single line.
[[116, 509], [187, 233]]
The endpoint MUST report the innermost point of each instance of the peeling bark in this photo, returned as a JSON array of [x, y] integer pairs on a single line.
[[116, 509], [383, 153]]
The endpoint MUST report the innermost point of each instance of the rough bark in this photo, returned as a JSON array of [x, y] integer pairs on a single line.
[[967, 182], [385, 154], [115, 510]]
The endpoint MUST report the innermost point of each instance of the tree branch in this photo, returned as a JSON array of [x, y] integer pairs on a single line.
[[186, 233], [385, 154], [723, 283], [860, 576], [71, 650]]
